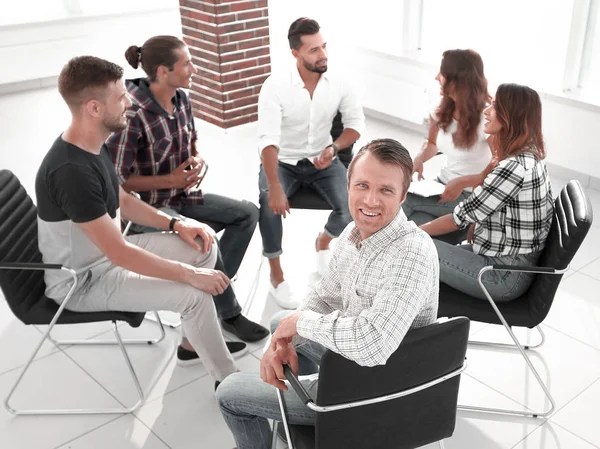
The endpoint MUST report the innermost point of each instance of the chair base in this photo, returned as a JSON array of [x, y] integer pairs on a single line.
[[490, 344], [99, 411], [521, 348]]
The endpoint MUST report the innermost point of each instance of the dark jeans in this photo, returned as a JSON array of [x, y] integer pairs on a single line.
[[331, 183], [226, 303], [237, 218]]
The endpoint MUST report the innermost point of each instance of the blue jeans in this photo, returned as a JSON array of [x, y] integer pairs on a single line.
[[425, 209], [331, 183], [246, 402], [237, 218], [459, 268]]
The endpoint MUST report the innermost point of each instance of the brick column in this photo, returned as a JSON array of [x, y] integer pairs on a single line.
[[229, 43]]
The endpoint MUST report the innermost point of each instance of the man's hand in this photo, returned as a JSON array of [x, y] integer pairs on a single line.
[[182, 178], [452, 191], [324, 159], [287, 327], [189, 230], [197, 164], [278, 202], [271, 364], [210, 281]]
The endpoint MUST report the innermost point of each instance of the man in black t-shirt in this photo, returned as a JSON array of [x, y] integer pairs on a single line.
[[80, 204]]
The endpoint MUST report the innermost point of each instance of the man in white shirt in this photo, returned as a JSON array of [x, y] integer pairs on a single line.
[[295, 113]]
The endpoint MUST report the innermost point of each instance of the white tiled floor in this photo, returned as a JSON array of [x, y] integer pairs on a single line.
[[181, 412]]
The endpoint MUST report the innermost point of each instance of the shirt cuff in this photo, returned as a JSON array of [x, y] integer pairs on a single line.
[[307, 323], [457, 218], [265, 142]]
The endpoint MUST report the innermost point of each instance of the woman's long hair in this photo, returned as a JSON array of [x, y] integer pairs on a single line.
[[466, 82], [519, 111]]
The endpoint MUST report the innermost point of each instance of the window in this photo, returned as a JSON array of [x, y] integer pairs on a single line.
[[524, 41]]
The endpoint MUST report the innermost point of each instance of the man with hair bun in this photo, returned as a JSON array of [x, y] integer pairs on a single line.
[[156, 156]]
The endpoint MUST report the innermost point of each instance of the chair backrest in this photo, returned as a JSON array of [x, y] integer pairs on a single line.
[[337, 127], [572, 220], [19, 243], [407, 422]]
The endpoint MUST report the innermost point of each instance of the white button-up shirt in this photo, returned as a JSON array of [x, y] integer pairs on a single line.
[[299, 126]]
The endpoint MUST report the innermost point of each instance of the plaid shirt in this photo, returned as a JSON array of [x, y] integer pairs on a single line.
[[155, 143], [512, 209], [373, 292]]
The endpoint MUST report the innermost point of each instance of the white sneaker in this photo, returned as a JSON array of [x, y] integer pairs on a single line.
[[323, 258], [284, 296]]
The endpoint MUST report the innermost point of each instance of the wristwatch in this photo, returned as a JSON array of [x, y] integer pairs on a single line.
[[335, 149], [172, 223]]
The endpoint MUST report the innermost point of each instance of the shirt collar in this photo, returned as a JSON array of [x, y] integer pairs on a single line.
[[140, 91], [381, 237], [297, 79]]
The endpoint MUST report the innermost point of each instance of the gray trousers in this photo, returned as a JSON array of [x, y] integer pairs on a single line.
[[115, 288]]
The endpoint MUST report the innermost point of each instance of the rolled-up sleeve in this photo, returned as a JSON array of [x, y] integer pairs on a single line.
[[353, 116], [503, 183], [123, 147], [269, 116]]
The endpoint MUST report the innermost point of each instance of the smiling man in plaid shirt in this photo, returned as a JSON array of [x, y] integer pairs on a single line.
[[156, 156], [382, 281]]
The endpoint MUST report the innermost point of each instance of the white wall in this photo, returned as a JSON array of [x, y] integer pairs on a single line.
[[395, 86], [36, 50]]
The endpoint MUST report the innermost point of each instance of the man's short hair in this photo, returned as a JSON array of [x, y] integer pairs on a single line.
[[86, 77], [301, 27], [387, 151]]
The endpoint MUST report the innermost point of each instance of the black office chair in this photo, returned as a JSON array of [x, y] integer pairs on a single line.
[[22, 283], [307, 197], [571, 223], [406, 403]]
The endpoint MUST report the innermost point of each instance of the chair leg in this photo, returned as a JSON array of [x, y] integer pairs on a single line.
[[99, 411], [157, 319], [284, 419], [512, 346], [534, 414], [441, 444], [131, 341]]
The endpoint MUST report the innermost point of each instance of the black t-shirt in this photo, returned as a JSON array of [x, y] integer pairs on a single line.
[[72, 186]]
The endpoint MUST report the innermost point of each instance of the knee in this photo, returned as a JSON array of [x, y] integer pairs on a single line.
[[251, 213], [194, 302]]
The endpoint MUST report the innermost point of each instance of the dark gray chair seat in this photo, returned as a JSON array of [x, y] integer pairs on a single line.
[[572, 220]]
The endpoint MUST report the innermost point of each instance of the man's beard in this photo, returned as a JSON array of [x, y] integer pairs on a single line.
[[314, 68], [115, 125]]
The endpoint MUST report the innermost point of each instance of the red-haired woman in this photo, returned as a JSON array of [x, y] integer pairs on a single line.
[[455, 129], [511, 211]]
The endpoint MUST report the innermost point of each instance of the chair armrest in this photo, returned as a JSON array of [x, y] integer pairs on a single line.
[[297, 386], [29, 266], [308, 401], [528, 269]]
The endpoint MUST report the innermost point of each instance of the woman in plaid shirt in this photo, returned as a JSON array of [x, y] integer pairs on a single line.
[[511, 212]]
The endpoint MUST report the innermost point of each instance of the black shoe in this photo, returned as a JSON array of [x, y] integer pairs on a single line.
[[244, 329], [189, 358]]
